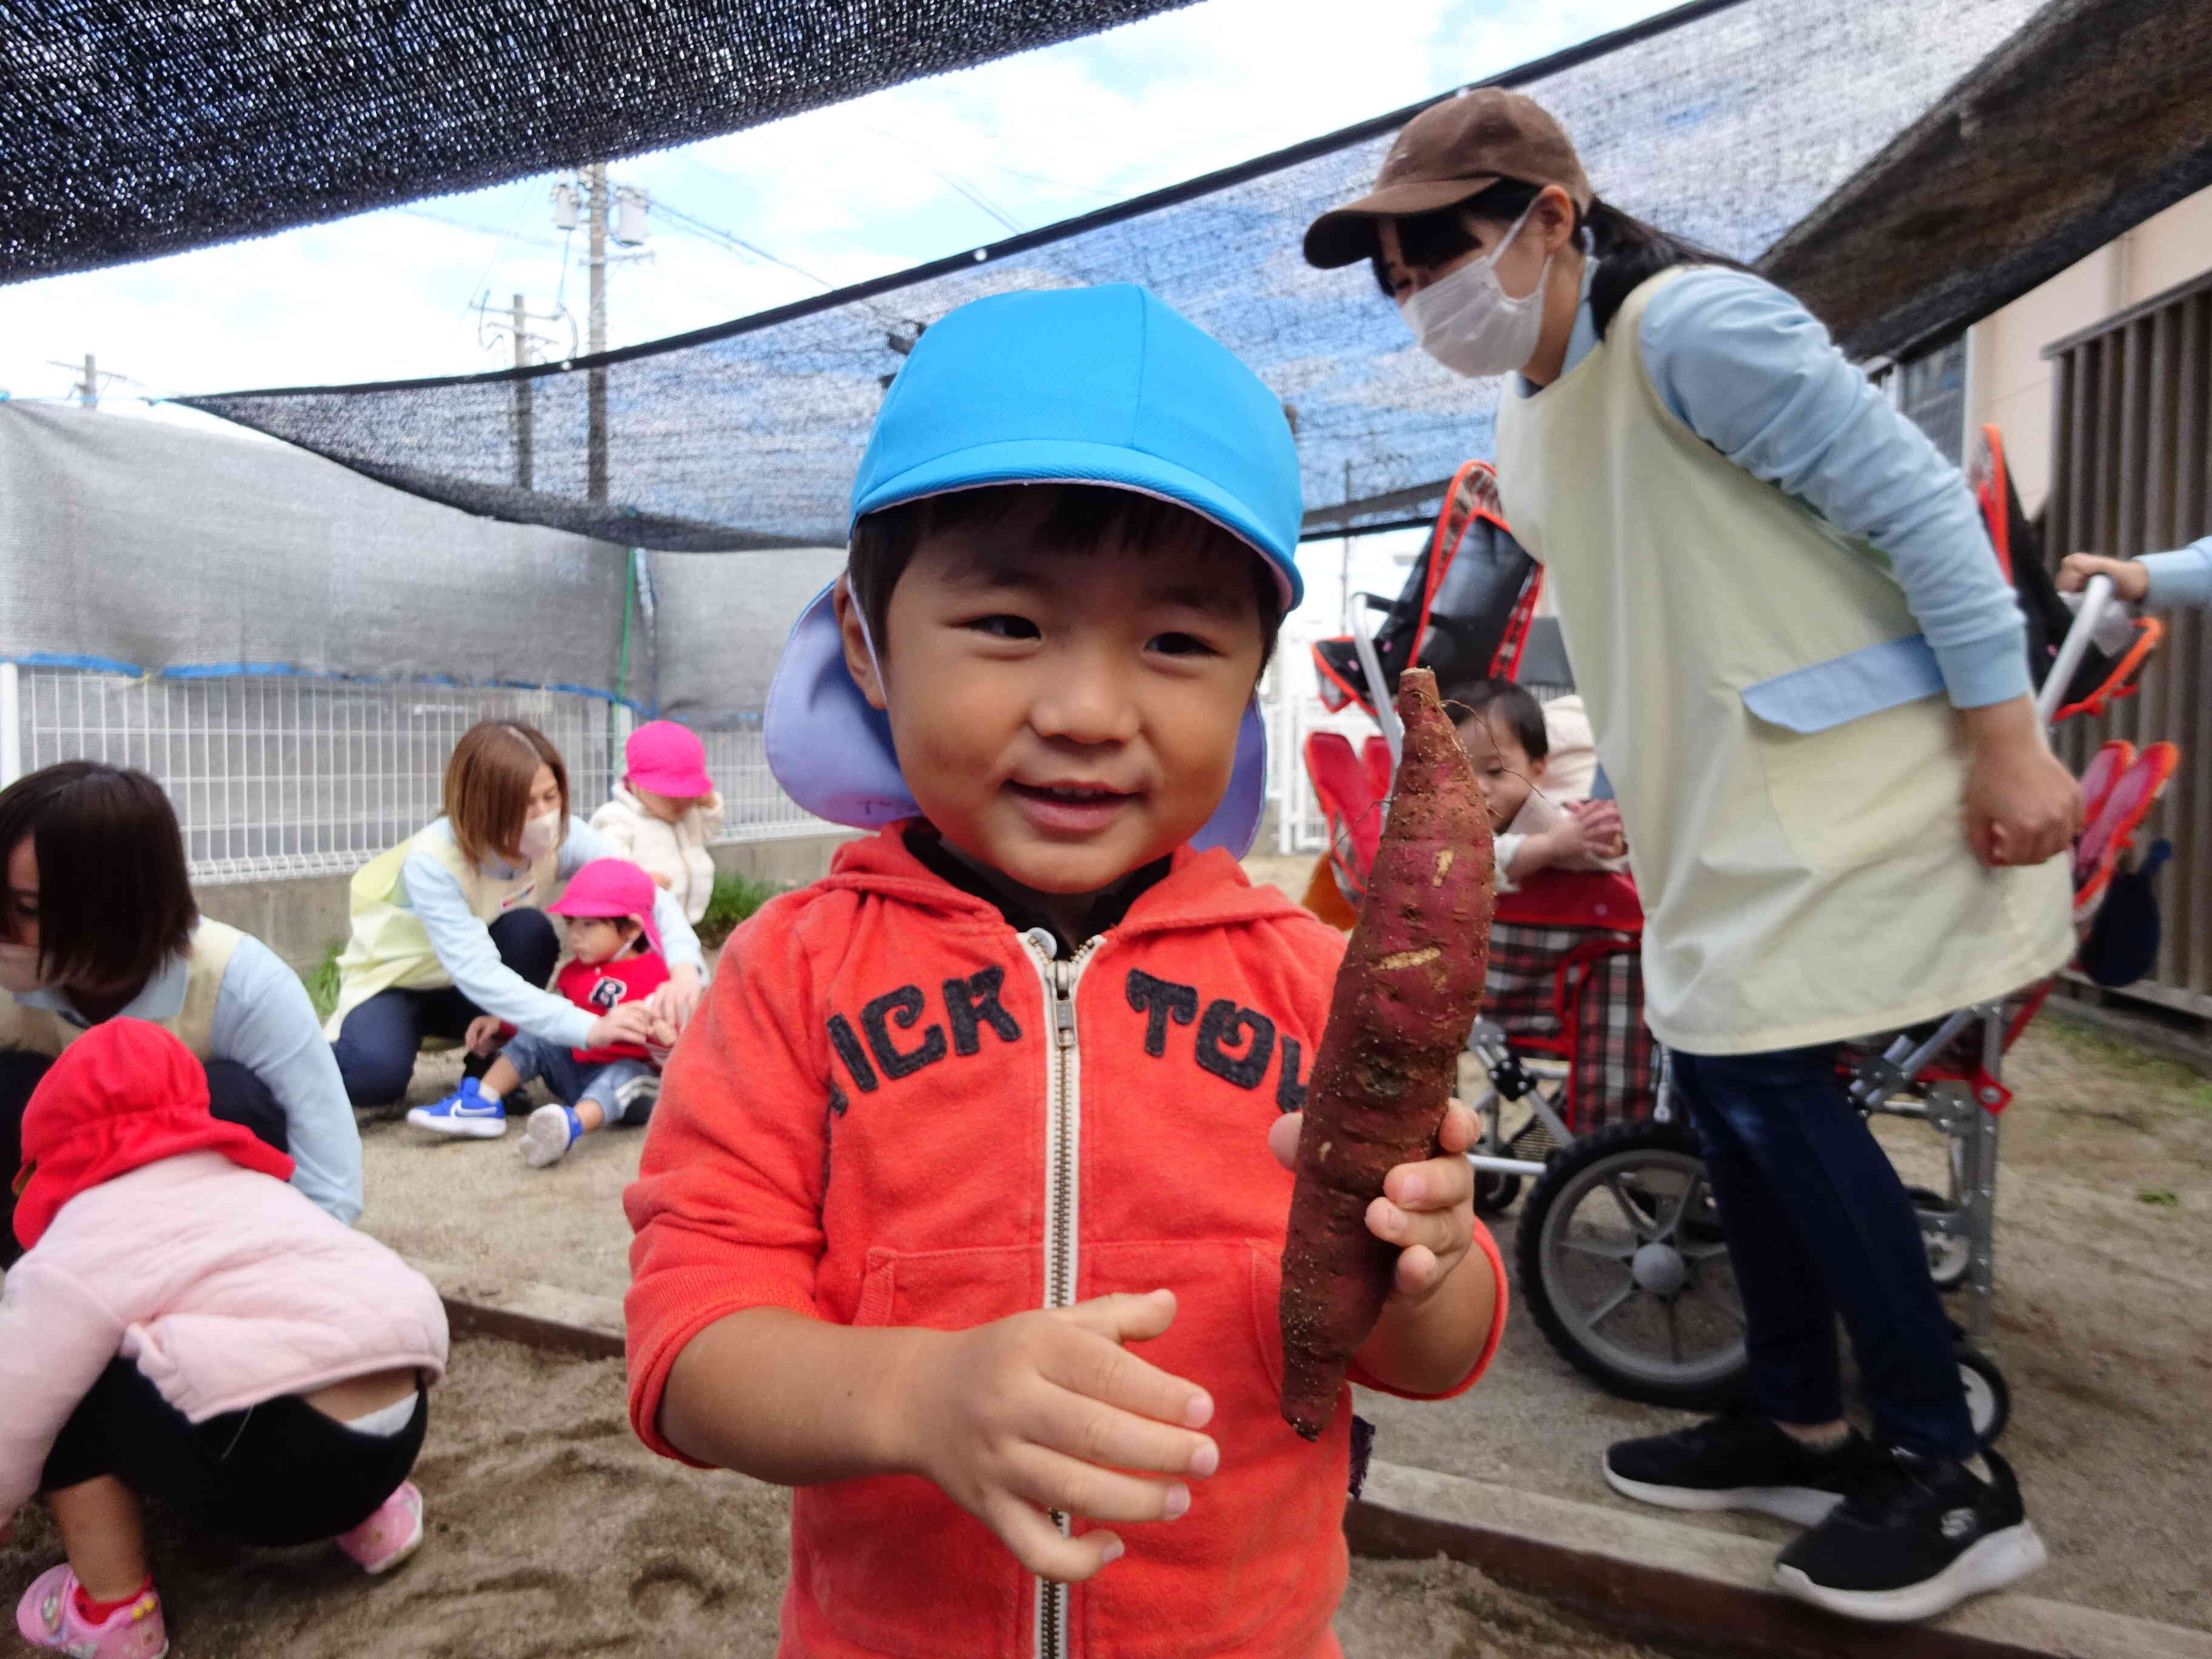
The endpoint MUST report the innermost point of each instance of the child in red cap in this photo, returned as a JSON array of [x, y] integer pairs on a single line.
[[184, 1325], [665, 812], [614, 950]]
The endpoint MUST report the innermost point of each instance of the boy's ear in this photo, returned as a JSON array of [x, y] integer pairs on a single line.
[[1538, 767], [853, 631]]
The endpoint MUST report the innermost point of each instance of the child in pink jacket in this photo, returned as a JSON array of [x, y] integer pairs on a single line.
[[185, 1326]]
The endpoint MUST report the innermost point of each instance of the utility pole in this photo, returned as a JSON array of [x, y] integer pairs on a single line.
[[87, 390], [1344, 564], [595, 464], [520, 317]]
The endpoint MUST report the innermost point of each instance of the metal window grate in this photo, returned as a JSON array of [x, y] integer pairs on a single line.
[[276, 776], [2131, 473]]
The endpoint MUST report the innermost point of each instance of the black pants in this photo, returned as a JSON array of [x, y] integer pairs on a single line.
[[377, 1044], [279, 1473], [234, 1094]]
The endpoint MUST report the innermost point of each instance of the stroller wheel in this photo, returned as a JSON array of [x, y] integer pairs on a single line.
[[1989, 1401], [1494, 1193], [1949, 1256], [1622, 1262]]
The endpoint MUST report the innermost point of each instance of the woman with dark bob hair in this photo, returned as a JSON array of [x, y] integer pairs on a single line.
[[450, 929], [99, 921]]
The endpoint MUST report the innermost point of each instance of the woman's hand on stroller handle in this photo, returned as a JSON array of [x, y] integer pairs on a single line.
[[2022, 805], [2130, 578]]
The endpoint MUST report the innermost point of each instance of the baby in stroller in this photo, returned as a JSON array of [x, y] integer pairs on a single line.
[[1536, 763]]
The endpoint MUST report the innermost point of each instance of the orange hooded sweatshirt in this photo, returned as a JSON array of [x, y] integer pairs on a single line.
[[897, 1111]]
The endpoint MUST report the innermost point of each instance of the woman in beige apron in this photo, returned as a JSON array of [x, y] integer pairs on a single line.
[[451, 925], [99, 922], [1809, 690]]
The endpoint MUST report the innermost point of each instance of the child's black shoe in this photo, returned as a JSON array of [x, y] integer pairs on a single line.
[[1737, 1461], [1916, 1537]]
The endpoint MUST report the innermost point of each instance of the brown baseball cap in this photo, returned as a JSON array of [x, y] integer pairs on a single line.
[[1450, 152]]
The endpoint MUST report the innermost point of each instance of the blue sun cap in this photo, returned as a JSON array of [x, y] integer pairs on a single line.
[[1096, 385]]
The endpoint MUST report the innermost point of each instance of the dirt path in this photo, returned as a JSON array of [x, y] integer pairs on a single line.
[[553, 1535]]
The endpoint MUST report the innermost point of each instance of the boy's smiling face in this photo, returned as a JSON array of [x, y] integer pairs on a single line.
[[1064, 718]]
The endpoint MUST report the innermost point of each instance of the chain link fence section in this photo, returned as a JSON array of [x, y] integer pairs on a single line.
[[276, 776]]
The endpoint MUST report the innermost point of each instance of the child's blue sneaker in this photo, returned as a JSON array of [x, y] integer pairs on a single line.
[[464, 1112], [548, 1134]]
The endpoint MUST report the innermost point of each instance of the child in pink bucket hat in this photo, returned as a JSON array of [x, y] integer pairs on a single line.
[[665, 812], [614, 950]]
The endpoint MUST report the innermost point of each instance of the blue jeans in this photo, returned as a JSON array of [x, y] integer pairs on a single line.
[[574, 1081], [377, 1045], [1819, 1225]]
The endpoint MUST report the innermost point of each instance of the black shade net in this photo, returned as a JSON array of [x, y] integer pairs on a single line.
[[133, 128], [1727, 121]]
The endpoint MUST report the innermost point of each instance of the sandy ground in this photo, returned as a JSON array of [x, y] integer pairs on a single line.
[[552, 1532]]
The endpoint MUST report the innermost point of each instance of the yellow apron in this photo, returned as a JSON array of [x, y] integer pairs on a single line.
[[1789, 773], [388, 949], [43, 1031]]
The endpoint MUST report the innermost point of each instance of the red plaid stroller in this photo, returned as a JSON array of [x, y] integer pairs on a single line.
[[1562, 1034]]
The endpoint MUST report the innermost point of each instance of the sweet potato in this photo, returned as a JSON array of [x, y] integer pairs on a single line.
[[1408, 991]]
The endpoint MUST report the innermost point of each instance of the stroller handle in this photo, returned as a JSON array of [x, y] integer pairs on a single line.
[[1370, 664], [2096, 598]]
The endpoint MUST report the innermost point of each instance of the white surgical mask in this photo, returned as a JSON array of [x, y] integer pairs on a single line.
[[1468, 322], [19, 969], [540, 836]]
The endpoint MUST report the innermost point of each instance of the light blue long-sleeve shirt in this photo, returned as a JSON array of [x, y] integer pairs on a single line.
[[464, 949], [1753, 373], [264, 1022], [2181, 577]]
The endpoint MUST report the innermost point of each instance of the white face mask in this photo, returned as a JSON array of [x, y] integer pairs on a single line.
[[540, 836], [1469, 324], [19, 969]]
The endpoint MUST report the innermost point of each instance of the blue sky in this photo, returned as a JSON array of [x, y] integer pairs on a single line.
[[852, 192]]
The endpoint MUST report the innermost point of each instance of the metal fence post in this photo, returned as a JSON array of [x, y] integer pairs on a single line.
[[11, 724]]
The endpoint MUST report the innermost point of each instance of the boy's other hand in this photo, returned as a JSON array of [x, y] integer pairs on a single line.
[[483, 1034], [1045, 1411], [2131, 578], [1426, 1210]]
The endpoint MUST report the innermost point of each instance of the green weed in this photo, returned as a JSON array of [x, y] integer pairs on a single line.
[[734, 898], [2159, 1196], [322, 983]]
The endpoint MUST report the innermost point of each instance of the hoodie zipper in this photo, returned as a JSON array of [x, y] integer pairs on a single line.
[[1062, 1147]]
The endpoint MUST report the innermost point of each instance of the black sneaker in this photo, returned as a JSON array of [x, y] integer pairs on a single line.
[[1916, 1537], [1737, 1462]]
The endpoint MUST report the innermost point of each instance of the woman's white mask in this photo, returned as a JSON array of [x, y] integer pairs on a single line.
[[19, 969], [540, 836], [1468, 322]]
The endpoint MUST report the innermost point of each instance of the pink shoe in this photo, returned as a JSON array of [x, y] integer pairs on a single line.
[[389, 1536], [48, 1618]]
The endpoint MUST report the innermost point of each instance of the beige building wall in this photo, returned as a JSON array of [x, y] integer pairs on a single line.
[[2008, 378]]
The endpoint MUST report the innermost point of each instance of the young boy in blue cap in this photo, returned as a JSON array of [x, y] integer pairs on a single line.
[[959, 1212]]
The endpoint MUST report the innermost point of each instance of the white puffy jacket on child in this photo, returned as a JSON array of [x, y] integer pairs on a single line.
[[675, 853]]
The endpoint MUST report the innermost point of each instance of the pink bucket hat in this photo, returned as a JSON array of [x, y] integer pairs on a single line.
[[610, 887], [668, 759]]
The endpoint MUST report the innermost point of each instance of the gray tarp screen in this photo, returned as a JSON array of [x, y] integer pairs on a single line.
[[136, 546], [1727, 120], [134, 128]]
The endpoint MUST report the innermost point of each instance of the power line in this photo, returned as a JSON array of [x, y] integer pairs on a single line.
[[730, 240], [975, 196]]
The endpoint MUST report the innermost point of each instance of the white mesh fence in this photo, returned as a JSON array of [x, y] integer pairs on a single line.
[[276, 776]]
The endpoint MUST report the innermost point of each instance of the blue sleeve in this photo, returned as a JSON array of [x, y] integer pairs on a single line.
[[2182, 577], [464, 949], [1753, 373], [264, 1022], [678, 943]]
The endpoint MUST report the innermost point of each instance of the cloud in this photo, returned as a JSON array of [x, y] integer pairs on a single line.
[[852, 192]]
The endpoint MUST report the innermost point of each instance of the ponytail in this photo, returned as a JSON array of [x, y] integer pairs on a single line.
[[1629, 253]]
